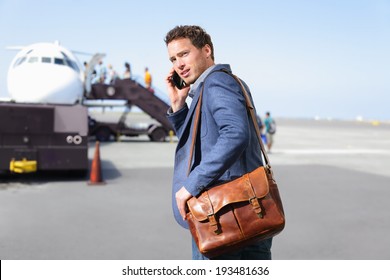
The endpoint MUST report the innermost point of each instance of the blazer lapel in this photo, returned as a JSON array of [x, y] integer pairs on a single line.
[[188, 121], [191, 110]]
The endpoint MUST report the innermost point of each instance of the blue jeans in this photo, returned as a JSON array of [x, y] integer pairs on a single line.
[[257, 251]]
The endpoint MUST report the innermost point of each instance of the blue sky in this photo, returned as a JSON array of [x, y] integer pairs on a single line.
[[326, 58]]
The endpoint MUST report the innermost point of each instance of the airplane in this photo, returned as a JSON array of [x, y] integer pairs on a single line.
[[49, 73], [45, 123]]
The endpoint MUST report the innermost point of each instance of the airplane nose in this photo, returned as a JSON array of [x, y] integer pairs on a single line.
[[45, 84]]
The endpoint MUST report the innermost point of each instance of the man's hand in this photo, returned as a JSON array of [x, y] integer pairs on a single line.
[[181, 199], [177, 96]]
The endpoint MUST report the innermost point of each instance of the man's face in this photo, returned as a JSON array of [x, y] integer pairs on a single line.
[[188, 61]]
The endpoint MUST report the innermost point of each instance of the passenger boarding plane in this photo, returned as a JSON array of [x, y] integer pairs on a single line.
[[48, 73]]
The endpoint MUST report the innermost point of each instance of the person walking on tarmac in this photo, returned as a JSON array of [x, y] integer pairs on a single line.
[[227, 143], [270, 130]]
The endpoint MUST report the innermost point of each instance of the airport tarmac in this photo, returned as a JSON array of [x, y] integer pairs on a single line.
[[334, 179]]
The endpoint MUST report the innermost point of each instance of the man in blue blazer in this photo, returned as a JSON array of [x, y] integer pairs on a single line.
[[227, 146]]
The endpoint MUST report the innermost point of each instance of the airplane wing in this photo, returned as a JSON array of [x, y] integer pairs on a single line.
[[104, 103], [15, 48], [5, 99]]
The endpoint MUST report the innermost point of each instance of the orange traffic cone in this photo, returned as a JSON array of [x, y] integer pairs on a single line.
[[95, 177]]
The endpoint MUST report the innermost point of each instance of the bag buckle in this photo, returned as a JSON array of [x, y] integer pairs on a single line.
[[256, 206], [213, 224]]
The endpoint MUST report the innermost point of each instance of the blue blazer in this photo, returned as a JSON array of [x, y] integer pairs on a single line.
[[227, 146]]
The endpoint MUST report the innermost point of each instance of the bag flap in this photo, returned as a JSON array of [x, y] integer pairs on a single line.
[[253, 184]]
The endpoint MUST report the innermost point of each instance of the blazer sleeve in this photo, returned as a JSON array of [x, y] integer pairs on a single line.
[[177, 119], [225, 103]]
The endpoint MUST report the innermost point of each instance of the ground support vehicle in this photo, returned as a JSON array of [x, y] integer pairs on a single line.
[[39, 137]]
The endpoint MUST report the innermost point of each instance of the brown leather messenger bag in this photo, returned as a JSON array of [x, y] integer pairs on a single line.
[[229, 216]]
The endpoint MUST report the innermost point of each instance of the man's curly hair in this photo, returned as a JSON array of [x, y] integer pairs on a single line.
[[197, 35]]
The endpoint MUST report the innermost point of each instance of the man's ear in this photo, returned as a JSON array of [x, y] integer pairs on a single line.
[[207, 50]]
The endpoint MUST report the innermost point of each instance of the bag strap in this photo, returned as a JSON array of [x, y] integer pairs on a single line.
[[249, 107]]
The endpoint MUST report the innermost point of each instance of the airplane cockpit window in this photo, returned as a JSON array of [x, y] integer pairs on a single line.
[[46, 59], [33, 59], [19, 61], [59, 61], [72, 64], [64, 54]]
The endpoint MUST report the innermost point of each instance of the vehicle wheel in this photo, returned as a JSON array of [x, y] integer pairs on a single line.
[[91, 122], [103, 134], [158, 135]]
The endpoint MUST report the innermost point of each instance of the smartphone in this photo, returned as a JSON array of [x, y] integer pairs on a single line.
[[179, 82]]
